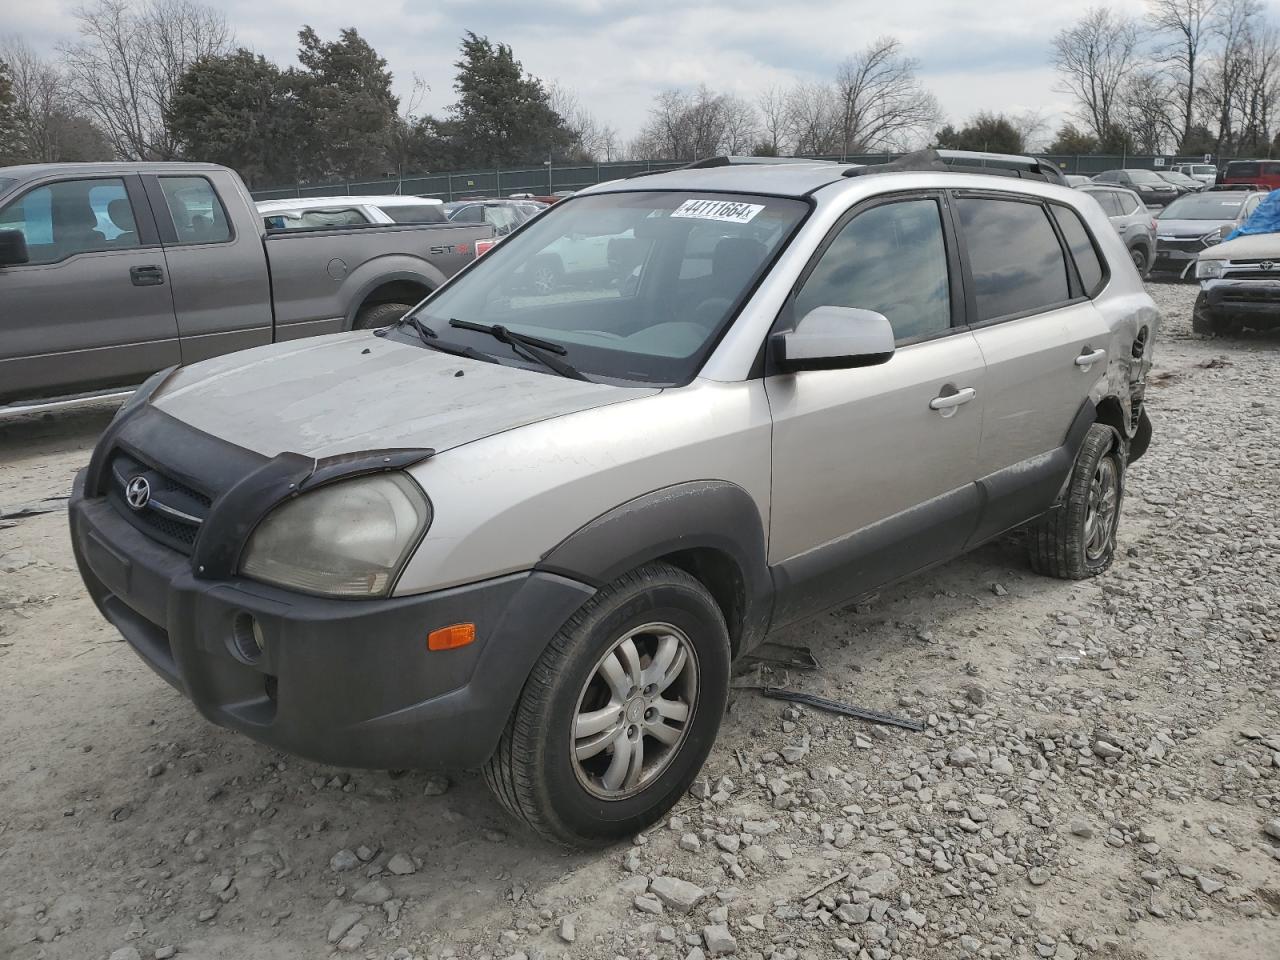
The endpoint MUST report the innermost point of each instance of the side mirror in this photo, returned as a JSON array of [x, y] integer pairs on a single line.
[[13, 248], [835, 338]]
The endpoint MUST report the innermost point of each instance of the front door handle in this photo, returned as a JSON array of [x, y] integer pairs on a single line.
[[149, 276], [1089, 357], [946, 403]]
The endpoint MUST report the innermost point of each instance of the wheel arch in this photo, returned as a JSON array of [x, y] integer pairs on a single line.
[[398, 286], [711, 529]]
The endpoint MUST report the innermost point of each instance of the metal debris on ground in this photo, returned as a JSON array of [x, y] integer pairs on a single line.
[[785, 655], [835, 706], [47, 505]]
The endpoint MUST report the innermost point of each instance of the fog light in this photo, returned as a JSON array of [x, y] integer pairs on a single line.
[[247, 639]]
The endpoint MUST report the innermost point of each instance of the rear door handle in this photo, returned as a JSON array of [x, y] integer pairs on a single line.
[[946, 403], [1089, 358], [149, 276]]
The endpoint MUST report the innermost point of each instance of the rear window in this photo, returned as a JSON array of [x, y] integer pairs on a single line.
[[1015, 257], [1145, 176], [1088, 264], [423, 213]]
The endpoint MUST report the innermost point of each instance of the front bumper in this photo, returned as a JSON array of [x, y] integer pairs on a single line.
[[1258, 300], [347, 682]]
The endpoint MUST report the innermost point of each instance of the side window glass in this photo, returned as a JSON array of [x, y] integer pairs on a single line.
[[70, 217], [197, 212], [1014, 255], [1082, 250], [891, 259]]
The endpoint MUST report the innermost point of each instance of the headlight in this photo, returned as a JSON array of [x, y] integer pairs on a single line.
[[1209, 269], [348, 539]]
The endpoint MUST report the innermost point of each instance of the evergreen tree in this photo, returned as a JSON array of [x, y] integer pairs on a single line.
[[988, 132], [503, 116]]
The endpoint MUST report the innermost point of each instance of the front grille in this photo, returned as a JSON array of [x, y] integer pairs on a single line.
[[172, 512]]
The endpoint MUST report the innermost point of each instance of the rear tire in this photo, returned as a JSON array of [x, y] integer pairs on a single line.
[[377, 315], [1141, 259], [577, 761], [1077, 540]]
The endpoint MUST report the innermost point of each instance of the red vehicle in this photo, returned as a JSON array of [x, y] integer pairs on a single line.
[[1264, 174]]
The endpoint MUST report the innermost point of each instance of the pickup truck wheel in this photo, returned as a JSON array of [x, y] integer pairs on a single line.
[[1078, 539], [377, 315], [619, 713]]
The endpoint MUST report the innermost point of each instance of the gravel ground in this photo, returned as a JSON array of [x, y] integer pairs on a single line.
[[1099, 777]]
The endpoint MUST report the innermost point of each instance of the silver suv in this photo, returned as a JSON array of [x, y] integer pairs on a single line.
[[528, 528]]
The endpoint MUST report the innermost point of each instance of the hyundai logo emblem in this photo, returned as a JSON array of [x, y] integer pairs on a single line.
[[138, 492]]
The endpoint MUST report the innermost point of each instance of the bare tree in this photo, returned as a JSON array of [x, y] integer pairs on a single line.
[[1094, 60], [1183, 27], [881, 104], [1032, 126], [1234, 23], [813, 120], [46, 127], [1259, 89], [687, 125], [773, 111], [591, 140], [1147, 111], [126, 65]]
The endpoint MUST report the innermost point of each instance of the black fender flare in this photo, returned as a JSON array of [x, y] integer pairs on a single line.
[[680, 522]]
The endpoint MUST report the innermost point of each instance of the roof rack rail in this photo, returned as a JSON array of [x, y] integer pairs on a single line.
[[727, 160], [965, 161]]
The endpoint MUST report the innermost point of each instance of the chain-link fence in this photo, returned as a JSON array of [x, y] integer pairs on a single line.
[[550, 178]]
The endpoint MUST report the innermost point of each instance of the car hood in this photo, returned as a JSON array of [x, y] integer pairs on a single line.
[[1187, 228], [1254, 245], [356, 391]]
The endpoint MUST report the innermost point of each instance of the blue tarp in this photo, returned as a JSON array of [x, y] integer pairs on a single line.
[[1265, 219]]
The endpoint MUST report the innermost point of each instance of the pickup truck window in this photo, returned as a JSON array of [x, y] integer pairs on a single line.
[[197, 212], [1015, 257], [72, 216], [891, 259], [600, 275]]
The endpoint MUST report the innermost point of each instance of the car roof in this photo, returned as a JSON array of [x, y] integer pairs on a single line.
[[792, 179], [117, 167]]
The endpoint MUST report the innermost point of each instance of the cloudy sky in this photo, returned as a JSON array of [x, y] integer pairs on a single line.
[[616, 54]]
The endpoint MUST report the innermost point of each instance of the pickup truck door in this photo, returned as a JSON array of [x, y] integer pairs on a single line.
[[1044, 342], [874, 467], [212, 238], [92, 306]]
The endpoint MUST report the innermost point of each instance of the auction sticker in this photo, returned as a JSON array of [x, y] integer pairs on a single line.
[[728, 211]]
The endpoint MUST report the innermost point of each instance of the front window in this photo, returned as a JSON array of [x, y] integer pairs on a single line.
[[72, 216], [1204, 206], [633, 286]]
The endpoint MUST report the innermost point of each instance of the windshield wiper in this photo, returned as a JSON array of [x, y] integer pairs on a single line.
[[526, 347], [432, 339]]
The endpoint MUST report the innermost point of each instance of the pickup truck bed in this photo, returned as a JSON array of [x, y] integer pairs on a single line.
[[111, 271]]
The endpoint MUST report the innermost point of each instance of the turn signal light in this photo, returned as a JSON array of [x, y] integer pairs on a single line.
[[450, 638]]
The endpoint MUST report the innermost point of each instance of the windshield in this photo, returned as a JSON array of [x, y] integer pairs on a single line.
[[1210, 206], [635, 286]]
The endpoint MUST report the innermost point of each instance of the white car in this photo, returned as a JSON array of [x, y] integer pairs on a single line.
[[1204, 172], [312, 212]]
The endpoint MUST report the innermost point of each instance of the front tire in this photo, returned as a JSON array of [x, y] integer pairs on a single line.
[[1078, 539], [1207, 324], [619, 713]]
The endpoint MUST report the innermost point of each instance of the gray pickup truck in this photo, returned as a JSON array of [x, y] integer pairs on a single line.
[[112, 271]]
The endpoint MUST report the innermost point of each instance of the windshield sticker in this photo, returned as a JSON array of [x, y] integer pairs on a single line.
[[728, 211]]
